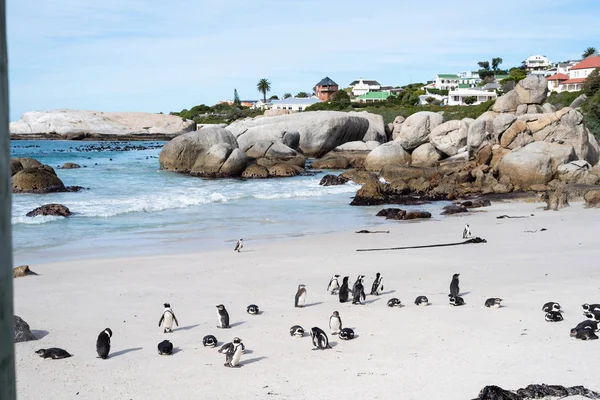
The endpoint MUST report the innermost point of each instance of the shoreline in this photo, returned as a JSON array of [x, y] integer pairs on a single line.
[[396, 350]]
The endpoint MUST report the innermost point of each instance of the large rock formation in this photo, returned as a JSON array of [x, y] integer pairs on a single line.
[[450, 137], [74, 123], [376, 131], [36, 180], [532, 90], [388, 153], [416, 129], [268, 153], [320, 131]]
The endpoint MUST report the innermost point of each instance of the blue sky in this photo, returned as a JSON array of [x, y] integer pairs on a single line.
[[157, 55]]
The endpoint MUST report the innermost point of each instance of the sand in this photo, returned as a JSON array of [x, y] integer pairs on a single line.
[[435, 352]]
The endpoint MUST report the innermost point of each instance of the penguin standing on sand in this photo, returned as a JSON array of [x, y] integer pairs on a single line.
[[319, 339], [239, 245], [358, 293], [377, 286], [300, 299], [168, 317], [360, 279], [334, 285], [335, 323], [234, 354], [222, 317], [103, 343], [466, 231], [344, 290], [454, 289]]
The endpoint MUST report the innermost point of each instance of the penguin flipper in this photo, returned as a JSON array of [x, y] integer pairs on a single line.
[[175, 320], [162, 318]]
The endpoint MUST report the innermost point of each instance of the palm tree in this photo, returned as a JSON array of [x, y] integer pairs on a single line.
[[496, 61], [590, 51], [287, 95], [264, 86]]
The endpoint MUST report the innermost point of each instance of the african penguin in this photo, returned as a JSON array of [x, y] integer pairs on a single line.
[[168, 317], [360, 280], [209, 341], [553, 316], [377, 286], [222, 317], [165, 348], [456, 300], [358, 292], [551, 306], [454, 290], [394, 302], [335, 323], [334, 285], [252, 309], [54, 353], [300, 299], [319, 339], [346, 334], [103, 343], [493, 302], [234, 353], [595, 315], [583, 334], [297, 331], [422, 301], [587, 324], [590, 307], [344, 290], [239, 245], [466, 231]]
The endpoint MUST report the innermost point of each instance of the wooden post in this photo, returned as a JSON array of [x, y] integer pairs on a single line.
[[7, 325]]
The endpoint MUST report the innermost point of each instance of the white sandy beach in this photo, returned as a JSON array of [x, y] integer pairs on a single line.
[[436, 352]]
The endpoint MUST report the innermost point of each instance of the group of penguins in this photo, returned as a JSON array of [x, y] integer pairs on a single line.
[[585, 330]]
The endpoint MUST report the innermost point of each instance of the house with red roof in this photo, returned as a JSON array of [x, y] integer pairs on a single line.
[[577, 76]]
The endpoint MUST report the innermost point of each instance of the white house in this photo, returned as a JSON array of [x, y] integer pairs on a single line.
[[261, 105], [364, 86], [447, 81], [577, 74], [457, 97], [565, 66], [294, 103], [537, 62]]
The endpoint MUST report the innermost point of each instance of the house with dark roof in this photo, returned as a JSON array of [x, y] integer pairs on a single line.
[[364, 86], [325, 89]]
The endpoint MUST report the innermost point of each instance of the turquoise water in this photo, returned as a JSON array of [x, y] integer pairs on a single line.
[[131, 207]]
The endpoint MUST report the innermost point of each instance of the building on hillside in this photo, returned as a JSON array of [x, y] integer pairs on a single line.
[[447, 81], [469, 79], [537, 62], [457, 97], [261, 105], [437, 97], [392, 90], [565, 66], [578, 74], [372, 97], [294, 104], [555, 81], [364, 86], [325, 89]]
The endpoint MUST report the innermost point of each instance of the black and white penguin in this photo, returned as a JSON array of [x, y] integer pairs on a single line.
[[346, 334], [454, 289], [377, 286], [222, 317], [360, 279], [168, 317], [358, 292], [493, 302], [583, 334], [551, 306], [335, 323], [466, 231], [165, 348], [553, 316], [394, 302], [239, 245], [103, 343], [297, 331], [422, 301], [319, 339], [587, 324], [54, 353], [252, 309], [209, 341], [590, 307], [234, 353], [300, 299], [334, 285], [344, 290], [456, 300], [594, 315]]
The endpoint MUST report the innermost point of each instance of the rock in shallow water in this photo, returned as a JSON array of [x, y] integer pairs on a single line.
[[36, 180], [333, 180], [51, 209]]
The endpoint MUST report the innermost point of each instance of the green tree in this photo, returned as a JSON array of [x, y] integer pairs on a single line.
[[264, 86], [274, 97], [496, 61], [302, 95], [287, 95], [591, 86], [340, 97], [470, 100], [236, 98], [485, 65], [590, 51], [430, 100]]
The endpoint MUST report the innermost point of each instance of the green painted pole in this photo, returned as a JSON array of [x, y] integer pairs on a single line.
[[7, 327]]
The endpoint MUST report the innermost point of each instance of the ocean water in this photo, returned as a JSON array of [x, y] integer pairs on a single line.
[[131, 207]]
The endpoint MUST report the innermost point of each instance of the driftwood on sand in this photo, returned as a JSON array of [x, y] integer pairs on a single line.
[[366, 231], [470, 241]]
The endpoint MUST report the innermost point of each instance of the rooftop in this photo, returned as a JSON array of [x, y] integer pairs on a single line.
[[573, 81], [558, 77], [590, 62], [374, 95], [366, 82], [296, 100], [471, 92], [448, 76], [326, 82]]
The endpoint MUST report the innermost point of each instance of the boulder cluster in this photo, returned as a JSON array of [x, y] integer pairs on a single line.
[[28, 175]]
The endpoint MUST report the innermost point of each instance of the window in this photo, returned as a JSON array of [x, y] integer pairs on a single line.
[[455, 98], [300, 108]]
